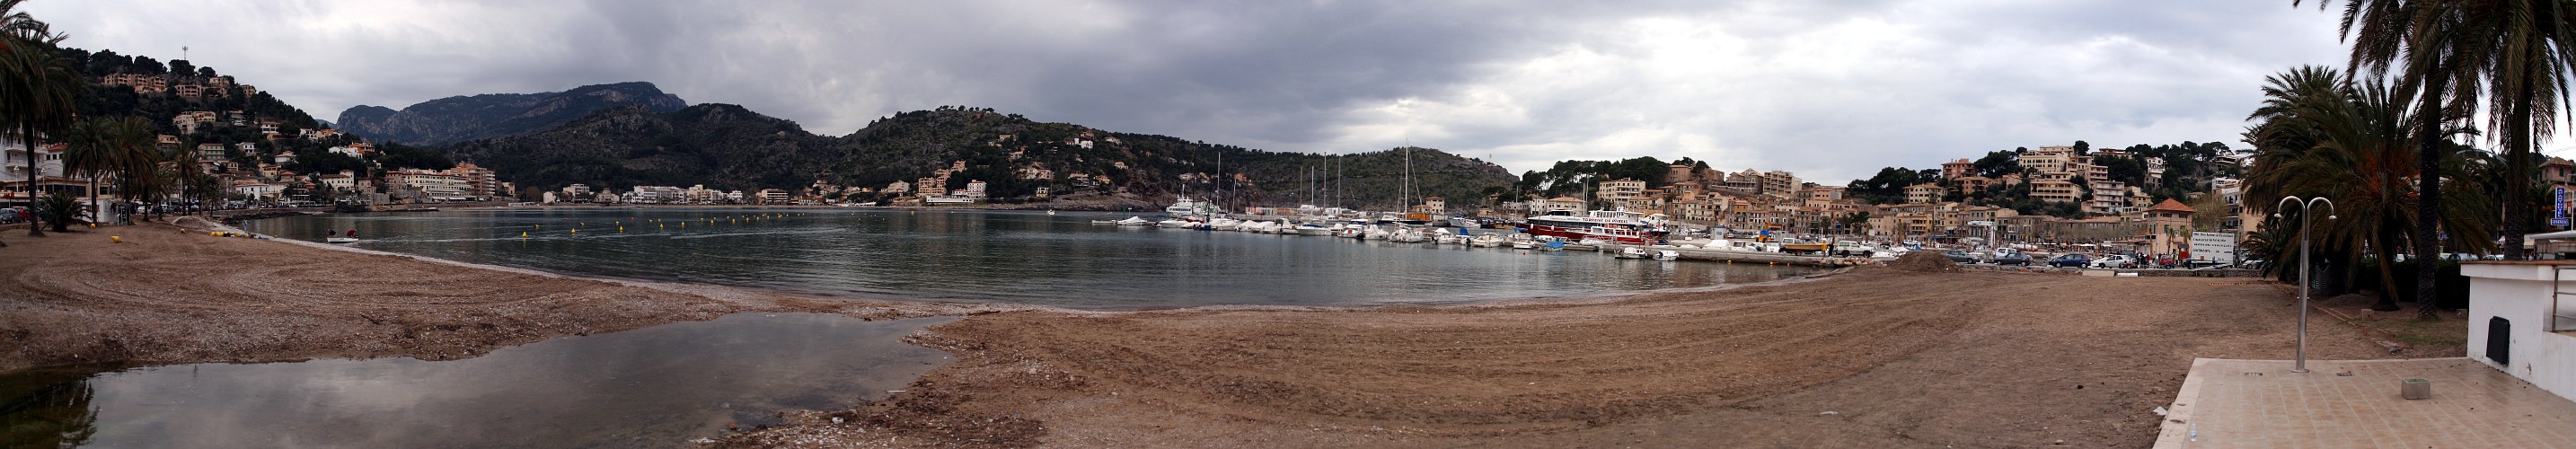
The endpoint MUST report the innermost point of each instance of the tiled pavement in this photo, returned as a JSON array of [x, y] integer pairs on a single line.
[[2261, 404]]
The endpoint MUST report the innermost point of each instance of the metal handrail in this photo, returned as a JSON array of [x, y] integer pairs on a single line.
[[2561, 317]]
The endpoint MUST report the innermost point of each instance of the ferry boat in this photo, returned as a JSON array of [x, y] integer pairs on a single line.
[[1614, 226], [1187, 206]]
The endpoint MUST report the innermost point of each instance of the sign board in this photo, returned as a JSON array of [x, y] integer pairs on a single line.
[[2558, 217], [2217, 246]]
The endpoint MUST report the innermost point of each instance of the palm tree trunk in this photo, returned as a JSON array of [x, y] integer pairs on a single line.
[[2387, 275], [35, 227], [2518, 209], [2428, 181]]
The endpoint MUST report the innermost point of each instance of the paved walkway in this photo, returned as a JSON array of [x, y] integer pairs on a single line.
[[2355, 404]]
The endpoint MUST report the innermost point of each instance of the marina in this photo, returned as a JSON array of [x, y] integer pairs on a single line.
[[1088, 260]]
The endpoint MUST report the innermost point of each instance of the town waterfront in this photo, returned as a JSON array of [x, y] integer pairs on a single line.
[[1025, 257]]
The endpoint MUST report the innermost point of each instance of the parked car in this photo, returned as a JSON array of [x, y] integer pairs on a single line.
[[1960, 256], [2015, 258], [2196, 264], [2115, 261], [2071, 260]]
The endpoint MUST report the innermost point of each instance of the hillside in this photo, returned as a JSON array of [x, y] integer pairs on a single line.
[[720, 145], [461, 118], [727, 147]]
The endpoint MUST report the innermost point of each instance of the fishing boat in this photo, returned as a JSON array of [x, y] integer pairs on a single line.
[[1612, 226]]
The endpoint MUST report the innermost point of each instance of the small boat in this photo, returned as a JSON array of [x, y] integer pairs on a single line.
[[1523, 241], [1313, 229], [1668, 255], [340, 240], [1134, 221], [1050, 212], [1485, 240], [1630, 253]]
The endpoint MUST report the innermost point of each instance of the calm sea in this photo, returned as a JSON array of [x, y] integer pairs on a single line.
[[1008, 256]]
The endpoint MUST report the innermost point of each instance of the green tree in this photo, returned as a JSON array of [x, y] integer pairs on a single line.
[[36, 84]]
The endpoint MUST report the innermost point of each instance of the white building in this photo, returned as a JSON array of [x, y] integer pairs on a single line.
[[255, 190], [974, 189], [2518, 324]]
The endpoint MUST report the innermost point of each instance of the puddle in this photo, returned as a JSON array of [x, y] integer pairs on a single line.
[[653, 387]]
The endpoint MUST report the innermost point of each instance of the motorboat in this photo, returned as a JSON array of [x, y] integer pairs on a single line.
[[1485, 240], [1172, 223], [1134, 221], [340, 240], [1523, 241], [1668, 255], [1313, 229], [1630, 252]]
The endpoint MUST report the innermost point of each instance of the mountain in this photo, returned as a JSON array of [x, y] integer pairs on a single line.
[[720, 145], [728, 147], [461, 118]]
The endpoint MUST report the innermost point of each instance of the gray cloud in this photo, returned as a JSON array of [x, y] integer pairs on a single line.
[[1832, 90]]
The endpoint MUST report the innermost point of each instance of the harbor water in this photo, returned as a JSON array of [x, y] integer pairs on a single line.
[[1009, 256]]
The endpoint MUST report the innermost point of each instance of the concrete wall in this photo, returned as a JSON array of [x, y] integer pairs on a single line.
[[2520, 292]]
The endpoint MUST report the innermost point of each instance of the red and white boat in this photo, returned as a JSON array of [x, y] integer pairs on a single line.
[[1617, 226]]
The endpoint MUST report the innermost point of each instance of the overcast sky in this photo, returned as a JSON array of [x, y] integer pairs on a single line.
[[1832, 90]]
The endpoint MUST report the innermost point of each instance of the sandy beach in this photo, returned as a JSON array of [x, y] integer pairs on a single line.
[[177, 295], [1870, 357]]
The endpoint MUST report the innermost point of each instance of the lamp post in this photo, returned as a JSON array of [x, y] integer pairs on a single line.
[[2305, 206]]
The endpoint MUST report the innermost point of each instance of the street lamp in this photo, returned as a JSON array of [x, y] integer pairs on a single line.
[[2305, 206]]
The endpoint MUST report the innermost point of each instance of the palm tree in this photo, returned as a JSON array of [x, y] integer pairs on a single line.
[[2521, 50], [99, 146], [36, 84], [2426, 43], [2321, 134]]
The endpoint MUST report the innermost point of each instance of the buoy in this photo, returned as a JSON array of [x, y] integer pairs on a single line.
[[115, 239], [576, 231], [523, 234], [215, 234]]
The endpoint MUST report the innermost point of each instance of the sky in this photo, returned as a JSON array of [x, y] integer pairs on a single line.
[[1829, 89]]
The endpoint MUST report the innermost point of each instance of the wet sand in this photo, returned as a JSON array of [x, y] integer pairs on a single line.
[[1900, 358]]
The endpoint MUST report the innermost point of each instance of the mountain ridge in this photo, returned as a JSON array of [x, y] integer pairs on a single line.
[[463, 117], [730, 147]]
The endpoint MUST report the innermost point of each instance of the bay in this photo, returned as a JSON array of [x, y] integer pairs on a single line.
[[1026, 257]]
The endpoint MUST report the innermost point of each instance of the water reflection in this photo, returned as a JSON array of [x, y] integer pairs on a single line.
[[652, 387], [1059, 260]]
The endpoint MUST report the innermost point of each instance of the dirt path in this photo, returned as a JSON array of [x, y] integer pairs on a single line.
[[169, 295], [1901, 359]]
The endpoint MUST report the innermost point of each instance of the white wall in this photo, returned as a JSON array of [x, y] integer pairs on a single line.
[[2520, 292]]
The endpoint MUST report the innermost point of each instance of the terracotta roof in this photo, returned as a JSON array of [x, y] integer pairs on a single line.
[[2171, 206]]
